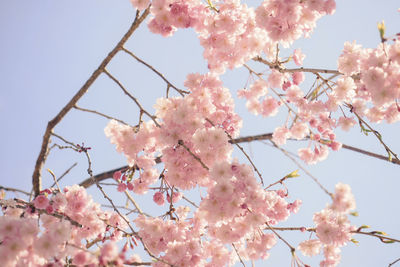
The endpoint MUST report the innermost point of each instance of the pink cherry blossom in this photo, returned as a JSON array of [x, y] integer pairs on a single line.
[[41, 202]]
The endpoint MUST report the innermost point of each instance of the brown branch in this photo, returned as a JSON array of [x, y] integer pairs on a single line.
[[376, 234], [383, 238], [268, 136], [378, 136], [36, 177], [21, 204], [138, 263], [301, 167], [371, 154], [279, 68], [15, 190]]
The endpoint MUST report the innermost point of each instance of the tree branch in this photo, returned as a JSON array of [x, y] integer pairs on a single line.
[[268, 136], [36, 177]]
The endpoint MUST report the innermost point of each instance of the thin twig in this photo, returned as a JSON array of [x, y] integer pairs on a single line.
[[292, 249], [281, 69], [180, 91], [15, 190], [65, 173], [390, 264], [293, 229], [100, 114], [383, 238], [301, 167], [133, 202], [55, 179], [181, 143], [244, 152], [378, 136], [142, 110], [376, 234], [102, 176], [237, 253]]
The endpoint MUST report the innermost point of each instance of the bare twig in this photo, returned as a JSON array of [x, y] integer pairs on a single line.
[[292, 249], [133, 202], [36, 177], [301, 167], [100, 114], [65, 173], [180, 91], [244, 152], [376, 234], [15, 190], [102, 176], [394, 262], [282, 69], [378, 136], [142, 110], [138, 263], [55, 179], [237, 253]]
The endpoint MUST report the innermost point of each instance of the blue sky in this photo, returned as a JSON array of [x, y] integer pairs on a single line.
[[49, 48]]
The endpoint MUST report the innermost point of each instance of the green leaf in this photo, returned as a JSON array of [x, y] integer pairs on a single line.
[[354, 213], [354, 241], [381, 29], [293, 174]]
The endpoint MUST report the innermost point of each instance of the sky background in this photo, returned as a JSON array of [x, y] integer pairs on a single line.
[[48, 49]]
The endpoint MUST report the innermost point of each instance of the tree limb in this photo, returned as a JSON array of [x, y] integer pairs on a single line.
[[36, 177]]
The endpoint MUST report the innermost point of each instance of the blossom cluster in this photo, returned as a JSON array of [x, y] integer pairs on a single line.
[[52, 230], [199, 122], [368, 88], [333, 229], [232, 32], [373, 77], [193, 136], [313, 118], [236, 211]]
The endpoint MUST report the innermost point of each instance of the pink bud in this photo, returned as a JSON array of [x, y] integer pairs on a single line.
[[336, 146], [41, 202], [158, 198], [176, 196], [49, 209], [130, 186], [286, 85], [121, 187], [117, 175]]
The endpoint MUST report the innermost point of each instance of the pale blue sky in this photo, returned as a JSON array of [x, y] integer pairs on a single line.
[[49, 48]]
